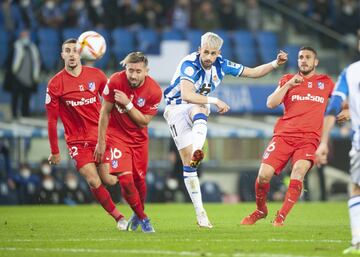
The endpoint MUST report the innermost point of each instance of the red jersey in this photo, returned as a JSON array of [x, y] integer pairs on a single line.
[[304, 107], [77, 101], [145, 98]]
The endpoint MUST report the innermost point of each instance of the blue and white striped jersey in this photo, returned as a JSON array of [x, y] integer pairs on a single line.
[[348, 87], [205, 81]]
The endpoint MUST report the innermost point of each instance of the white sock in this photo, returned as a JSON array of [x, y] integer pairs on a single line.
[[354, 210], [199, 131], [192, 184]]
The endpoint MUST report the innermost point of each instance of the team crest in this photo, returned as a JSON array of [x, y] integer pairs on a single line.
[[321, 85], [91, 86], [266, 155], [215, 78], [140, 102], [114, 164]]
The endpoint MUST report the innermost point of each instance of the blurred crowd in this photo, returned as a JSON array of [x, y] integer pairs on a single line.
[[340, 15]]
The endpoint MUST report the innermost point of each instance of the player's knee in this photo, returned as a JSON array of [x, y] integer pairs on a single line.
[[264, 178], [110, 180], [93, 181], [299, 173], [355, 190]]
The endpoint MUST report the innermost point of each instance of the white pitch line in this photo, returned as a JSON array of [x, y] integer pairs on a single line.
[[142, 239], [145, 251]]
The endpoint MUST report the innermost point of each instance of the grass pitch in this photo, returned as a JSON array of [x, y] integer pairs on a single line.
[[311, 229]]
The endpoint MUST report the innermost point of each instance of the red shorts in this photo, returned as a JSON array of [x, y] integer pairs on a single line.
[[128, 159], [281, 149], [83, 153]]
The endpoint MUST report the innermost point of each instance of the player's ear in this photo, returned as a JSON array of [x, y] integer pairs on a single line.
[[316, 62], [199, 49]]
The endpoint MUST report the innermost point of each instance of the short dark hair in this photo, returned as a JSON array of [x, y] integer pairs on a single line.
[[135, 57], [309, 48], [70, 41]]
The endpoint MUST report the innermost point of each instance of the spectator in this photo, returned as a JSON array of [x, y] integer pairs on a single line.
[[26, 184], [97, 14], [348, 20], [253, 16], [23, 74], [26, 8], [179, 17], [77, 15], [227, 15], [51, 15], [149, 14], [10, 16], [72, 193], [122, 14], [205, 17], [49, 193]]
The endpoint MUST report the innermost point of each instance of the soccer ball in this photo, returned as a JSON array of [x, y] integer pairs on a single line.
[[91, 45]]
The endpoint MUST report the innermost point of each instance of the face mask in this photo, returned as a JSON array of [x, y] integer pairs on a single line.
[[45, 169], [25, 3], [25, 41], [348, 9], [96, 3], [25, 173], [72, 184], [48, 184], [50, 5], [79, 5]]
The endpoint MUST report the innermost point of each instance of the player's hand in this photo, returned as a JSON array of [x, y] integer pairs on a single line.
[[343, 116], [321, 154], [296, 80], [121, 97], [54, 159], [222, 107], [282, 57], [99, 151]]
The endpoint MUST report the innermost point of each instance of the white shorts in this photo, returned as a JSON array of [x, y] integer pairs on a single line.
[[178, 118], [355, 166]]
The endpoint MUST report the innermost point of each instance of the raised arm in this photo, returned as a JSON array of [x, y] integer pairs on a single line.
[[277, 96], [264, 69]]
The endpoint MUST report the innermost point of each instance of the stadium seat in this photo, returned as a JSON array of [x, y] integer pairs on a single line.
[[173, 35], [268, 45], [48, 35], [123, 42], [49, 47], [148, 41], [37, 101], [211, 192], [245, 48], [292, 51], [4, 46], [71, 33], [194, 38]]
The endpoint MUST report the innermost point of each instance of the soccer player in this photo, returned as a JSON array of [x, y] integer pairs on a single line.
[[131, 99], [296, 134], [188, 106], [73, 95], [347, 88]]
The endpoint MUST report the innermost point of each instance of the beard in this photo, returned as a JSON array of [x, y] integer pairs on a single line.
[[308, 71]]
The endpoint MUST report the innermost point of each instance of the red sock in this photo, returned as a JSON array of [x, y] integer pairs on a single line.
[[141, 187], [103, 197], [291, 197], [261, 191], [131, 195]]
